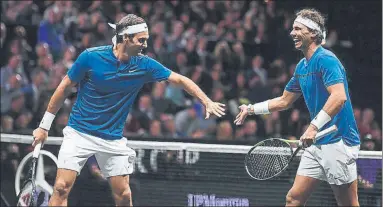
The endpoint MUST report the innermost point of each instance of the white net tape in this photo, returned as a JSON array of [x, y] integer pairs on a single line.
[[197, 147]]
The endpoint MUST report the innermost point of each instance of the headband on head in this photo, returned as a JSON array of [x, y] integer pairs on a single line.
[[129, 30], [312, 25]]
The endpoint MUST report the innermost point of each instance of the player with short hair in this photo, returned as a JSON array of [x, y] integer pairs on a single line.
[[109, 79], [321, 78]]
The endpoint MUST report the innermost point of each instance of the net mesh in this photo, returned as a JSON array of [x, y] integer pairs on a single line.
[[268, 159], [191, 174]]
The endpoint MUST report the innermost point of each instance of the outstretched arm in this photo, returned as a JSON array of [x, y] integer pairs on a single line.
[[194, 90], [283, 102], [276, 104]]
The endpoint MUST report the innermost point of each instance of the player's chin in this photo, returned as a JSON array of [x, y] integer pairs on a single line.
[[298, 45]]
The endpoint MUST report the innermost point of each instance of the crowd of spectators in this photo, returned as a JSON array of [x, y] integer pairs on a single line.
[[212, 42]]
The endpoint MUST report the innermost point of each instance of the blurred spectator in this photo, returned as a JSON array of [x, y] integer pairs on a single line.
[[216, 75], [78, 28], [249, 131], [273, 125], [175, 94], [33, 90], [169, 126], [257, 74], [12, 69], [41, 50], [132, 126], [145, 111], [161, 53], [224, 131], [223, 55], [368, 143], [17, 106], [155, 129], [11, 90], [51, 33], [160, 102], [6, 124], [181, 64], [22, 123], [187, 120], [69, 56], [191, 54], [45, 64], [368, 123], [174, 39], [240, 87], [23, 12], [239, 56], [202, 78], [294, 124]]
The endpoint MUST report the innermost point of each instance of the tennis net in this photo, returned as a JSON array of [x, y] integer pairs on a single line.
[[195, 174]]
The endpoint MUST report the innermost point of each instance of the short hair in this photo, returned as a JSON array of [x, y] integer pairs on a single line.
[[316, 17], [128, 20]]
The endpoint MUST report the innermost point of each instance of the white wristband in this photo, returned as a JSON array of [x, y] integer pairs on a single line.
[[261, 108], [321, 119], [47, 120]]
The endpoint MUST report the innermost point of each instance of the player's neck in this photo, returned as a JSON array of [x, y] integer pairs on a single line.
[[119, 52], [309, 51]]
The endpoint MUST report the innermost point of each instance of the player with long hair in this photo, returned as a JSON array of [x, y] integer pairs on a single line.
[[321, 78]]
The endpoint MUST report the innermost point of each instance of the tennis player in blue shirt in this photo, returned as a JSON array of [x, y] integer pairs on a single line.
[[108, 79], [321, 79]]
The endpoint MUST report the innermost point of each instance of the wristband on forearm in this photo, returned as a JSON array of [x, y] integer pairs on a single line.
[[259, 108], [47, 120], [321, 119]]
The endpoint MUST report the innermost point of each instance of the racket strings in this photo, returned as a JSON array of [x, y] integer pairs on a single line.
[[27, 194], [268, 158]]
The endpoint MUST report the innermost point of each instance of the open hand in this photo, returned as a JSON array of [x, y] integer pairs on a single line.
[[214, 108], [240, 118]]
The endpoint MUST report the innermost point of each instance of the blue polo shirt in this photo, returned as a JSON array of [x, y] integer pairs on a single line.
[[311, 78], [107, 89]]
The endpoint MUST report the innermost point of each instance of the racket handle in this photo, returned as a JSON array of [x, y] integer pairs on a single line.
[[36, 151], [326, 132]]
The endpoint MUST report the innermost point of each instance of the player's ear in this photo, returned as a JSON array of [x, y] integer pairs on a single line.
[[128, 38], [125, 38], [313, 34]]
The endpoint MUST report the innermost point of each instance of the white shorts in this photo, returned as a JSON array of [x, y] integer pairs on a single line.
[[334, 163], [114, 157]]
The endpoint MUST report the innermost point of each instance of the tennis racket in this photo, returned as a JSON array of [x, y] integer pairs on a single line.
[[27, 195], [269, 158]]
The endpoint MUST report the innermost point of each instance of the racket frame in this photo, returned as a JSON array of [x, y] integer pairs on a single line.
[[260, 143], [319, 135], [32, 173]]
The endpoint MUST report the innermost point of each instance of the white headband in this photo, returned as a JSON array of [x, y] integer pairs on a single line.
[[312, 25], [130, 30]]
